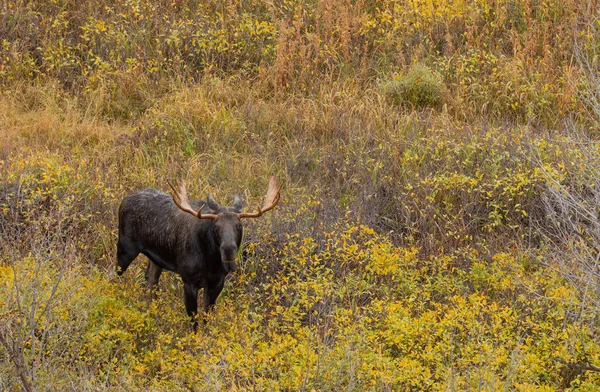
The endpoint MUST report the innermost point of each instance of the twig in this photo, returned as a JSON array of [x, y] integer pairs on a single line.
[[577, 365], [16, 356]]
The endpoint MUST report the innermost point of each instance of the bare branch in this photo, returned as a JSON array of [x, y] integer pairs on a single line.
[[15, 352], [577, 365]]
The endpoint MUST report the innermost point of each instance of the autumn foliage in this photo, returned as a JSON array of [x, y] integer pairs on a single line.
[[436, 158]]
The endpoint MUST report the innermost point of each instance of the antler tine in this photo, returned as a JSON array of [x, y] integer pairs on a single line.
[[271, 199], [180, 199]]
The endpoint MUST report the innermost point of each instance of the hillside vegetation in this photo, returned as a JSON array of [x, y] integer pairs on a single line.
[[438, 228]]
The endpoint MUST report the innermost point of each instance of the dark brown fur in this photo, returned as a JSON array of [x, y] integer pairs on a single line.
[[201, 251]]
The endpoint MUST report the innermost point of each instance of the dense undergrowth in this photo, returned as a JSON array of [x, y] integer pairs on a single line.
[[437, 226]]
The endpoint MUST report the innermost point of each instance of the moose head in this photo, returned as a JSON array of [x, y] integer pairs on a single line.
[[227, 227]]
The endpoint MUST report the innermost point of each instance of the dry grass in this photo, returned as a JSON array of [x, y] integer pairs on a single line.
[[406, 252]]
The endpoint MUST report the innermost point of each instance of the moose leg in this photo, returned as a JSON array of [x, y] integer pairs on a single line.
[[125, 255], [210, 295], [190, 298], [153, 272]]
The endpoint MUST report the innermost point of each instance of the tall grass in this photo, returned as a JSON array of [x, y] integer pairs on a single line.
[[405, 253], [498, 58]]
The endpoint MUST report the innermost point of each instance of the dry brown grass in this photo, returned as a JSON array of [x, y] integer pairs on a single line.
[[405, 253]]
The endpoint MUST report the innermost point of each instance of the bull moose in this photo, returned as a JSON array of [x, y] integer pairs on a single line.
[[177, 235]]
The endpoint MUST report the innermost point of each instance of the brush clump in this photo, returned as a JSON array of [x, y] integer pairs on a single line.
[[419, 88]]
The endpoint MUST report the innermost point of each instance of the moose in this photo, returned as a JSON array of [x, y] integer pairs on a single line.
[[177, 235]]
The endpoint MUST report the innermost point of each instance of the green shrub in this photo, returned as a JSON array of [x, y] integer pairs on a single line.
[[420, 87]]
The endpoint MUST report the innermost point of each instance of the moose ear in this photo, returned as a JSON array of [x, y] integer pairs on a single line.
[[212, 204], [237, 204]]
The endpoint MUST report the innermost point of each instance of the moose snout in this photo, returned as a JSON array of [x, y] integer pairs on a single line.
[[228, 253]]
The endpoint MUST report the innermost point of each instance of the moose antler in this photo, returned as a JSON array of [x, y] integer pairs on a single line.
[[181, 200], [271, 199]]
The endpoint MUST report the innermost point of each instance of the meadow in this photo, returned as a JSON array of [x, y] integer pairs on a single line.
[[438, 228]]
